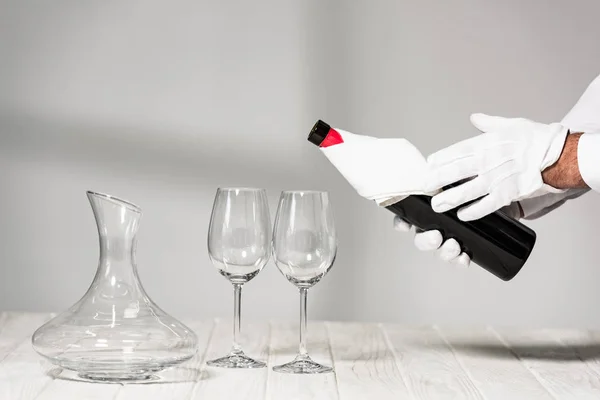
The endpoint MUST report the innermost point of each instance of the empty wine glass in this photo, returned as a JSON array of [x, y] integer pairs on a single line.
[[304, 249], [239, 245]]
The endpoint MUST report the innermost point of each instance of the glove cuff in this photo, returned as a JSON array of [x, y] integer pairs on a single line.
[[556, 146], [538, 206], [512, 210]]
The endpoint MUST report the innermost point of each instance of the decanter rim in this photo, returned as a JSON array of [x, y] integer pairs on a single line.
[[125, 203]]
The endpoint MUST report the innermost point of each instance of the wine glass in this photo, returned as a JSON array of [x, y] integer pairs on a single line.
[[239, 245], [304, 249]]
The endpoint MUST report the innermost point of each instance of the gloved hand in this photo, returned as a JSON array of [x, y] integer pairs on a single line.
[[505, 163], [450, 249], [432, 240]]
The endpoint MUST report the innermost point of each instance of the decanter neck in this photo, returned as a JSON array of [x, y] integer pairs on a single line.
[[117, 222], [117, 266], [115, 250]]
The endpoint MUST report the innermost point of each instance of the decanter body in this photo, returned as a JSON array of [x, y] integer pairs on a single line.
[[115, 332]]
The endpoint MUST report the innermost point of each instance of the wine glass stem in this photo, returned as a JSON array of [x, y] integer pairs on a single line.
[[237, 317], [302, 348]]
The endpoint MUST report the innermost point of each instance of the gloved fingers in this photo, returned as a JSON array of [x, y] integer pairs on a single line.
[[463, 260], [459, 195], [442, 175], [401, 225], [489, 123], [428, 240], [449, 250], [480, 208]]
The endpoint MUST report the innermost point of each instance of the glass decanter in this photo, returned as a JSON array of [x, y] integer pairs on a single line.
[[115, 332]]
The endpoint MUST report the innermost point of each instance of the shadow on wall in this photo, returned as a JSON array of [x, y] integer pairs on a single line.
[[175, 155]]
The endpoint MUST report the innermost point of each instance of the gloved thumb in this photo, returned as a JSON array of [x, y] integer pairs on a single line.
[[489, 123]]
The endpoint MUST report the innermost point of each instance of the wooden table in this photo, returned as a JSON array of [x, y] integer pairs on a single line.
[[371, 361]]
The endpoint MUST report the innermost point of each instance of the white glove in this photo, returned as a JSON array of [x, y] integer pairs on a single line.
[[450, 250], [505, 163], [432, 240]]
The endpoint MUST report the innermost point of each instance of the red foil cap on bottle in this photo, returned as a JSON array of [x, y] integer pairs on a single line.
[[323, 135]]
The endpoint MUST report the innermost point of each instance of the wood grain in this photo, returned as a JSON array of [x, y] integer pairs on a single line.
[[60, 389], [22, 371], [371, 362], [283, 349], [365, 366], [239, 384], [584, 343], [556, 366], [428, 364], [496, 372]]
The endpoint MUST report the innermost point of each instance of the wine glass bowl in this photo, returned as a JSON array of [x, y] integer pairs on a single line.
[[304, 257], [239, 254]]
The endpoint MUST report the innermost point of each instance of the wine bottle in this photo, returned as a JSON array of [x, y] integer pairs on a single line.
[[497, 243]]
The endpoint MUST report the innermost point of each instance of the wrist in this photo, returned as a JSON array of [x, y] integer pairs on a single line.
[[564, 173]]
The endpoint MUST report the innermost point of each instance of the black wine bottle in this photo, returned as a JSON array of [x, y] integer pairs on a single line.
[[498, 243]]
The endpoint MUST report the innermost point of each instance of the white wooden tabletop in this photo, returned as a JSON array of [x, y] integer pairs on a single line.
[[371, 361]]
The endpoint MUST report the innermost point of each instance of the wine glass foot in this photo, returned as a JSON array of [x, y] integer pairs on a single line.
[[236, 360], [303, 365]]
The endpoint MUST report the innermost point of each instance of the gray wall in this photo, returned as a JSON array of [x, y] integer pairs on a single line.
[[162, 102]]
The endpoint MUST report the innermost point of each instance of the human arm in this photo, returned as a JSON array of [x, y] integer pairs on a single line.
[[577, 169], [564, 173]]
